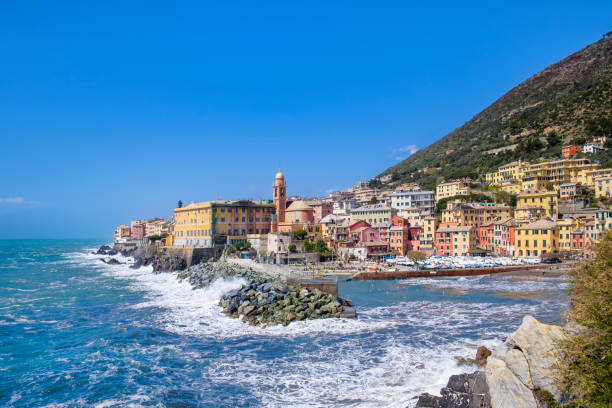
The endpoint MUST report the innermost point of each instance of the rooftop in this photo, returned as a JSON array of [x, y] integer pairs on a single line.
[[544, 223]]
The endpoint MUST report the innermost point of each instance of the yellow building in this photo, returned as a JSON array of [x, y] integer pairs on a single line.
[[534, 198], [206, 223], [427, 243], [603, 186], [452, 188], [475, 214], [566, 227], [122, 232], [536, 183], [537, 238], [510, 171], [559, 172], [592, 175], [376, 215], [511, 186]]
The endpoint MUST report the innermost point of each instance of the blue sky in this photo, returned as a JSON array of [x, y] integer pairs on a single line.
[[113, 111]]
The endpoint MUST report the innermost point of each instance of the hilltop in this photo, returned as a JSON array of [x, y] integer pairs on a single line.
[[568, 102]]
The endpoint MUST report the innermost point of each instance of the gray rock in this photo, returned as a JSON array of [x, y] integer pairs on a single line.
[[539, 344], [505, 388], [462, 391], [427, 401]]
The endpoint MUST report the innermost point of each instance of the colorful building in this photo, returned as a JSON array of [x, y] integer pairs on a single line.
[[122, 233], [452, 188], [558, 172], [603, 186], [485, 236], [537, 198], [398, 235], [511, 171], [452, 240], [427, 239], [138, 230], [475, 214], [569, 190], [376, 215], [567, 227], [503, 236], [537, 238], [206, 223], [570, 151]]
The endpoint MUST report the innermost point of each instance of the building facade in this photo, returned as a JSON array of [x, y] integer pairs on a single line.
[[206, 223]]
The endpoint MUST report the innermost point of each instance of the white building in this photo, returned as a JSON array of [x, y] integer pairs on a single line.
[[591, 148], [422, 199]]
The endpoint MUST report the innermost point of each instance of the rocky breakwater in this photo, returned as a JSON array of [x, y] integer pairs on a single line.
[[267, 301], [519, 373]]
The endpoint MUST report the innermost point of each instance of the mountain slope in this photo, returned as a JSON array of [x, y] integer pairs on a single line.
[[568, 101]]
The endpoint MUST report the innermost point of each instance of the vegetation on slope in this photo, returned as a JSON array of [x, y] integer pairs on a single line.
[[570, 101], [587, 370]]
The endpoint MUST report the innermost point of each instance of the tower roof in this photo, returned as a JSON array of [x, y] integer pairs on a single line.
[[279, 175]]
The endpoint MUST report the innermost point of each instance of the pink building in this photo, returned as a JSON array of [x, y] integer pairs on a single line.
[[365, 234], [138, 231], [321, 209], [569, 190]]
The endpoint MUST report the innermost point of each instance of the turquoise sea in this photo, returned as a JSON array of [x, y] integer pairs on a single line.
[[75, 332]]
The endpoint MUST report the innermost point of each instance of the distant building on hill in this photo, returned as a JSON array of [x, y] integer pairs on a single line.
[[567, 152], [452, 188]]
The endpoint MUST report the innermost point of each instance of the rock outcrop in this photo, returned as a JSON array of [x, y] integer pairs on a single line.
[[517, 373], [462, 391]]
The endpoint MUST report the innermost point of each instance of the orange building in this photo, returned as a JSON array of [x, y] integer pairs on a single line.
[[570, 151]]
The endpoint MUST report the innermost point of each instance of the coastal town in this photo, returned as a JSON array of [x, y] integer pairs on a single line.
[[546, 210]]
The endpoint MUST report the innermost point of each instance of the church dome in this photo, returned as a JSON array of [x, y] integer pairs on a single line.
[[299, 205], [279, 175]]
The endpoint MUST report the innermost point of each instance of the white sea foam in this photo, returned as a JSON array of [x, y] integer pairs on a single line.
[[491, 283]]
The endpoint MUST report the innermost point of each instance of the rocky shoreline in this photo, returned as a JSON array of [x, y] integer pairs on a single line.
[[160, 260], [519, 373], [264, 300]]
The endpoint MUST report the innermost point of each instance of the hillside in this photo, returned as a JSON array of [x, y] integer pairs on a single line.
[[568, 101]]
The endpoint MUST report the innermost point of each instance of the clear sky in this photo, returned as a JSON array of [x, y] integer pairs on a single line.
[[111, 111]]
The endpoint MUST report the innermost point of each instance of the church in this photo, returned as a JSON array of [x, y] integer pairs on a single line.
[[291, 216]]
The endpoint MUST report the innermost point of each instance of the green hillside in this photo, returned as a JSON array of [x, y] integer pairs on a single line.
[[569, 101]]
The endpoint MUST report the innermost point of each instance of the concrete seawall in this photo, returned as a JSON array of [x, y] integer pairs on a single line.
[[390, 275]]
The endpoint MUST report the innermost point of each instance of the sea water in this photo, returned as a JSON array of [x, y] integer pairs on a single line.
[[75, 332]]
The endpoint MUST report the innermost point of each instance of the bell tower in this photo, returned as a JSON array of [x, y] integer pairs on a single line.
[[280, 196]]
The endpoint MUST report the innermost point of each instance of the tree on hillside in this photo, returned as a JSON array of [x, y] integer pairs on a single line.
[[553, 139], [373, 200]]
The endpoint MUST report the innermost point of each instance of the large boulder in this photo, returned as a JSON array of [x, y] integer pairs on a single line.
[[505, 388], [539, 344], [516, 371]]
